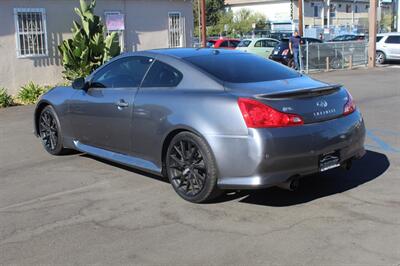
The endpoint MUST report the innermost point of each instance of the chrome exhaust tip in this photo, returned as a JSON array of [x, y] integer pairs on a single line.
[[291, 185]]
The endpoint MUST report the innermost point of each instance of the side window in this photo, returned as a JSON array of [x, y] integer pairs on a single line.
[[271, 43], [393, 39], [233, 44], [123, 73], [259, 43], [162, 75], [224, 44]]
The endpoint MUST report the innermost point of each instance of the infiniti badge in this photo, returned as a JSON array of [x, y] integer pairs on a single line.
[[322, 104]]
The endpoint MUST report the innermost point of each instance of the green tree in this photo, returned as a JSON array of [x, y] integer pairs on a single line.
[[243, 21], [88, 48], [224, 26], [213, 10], [386, 22]]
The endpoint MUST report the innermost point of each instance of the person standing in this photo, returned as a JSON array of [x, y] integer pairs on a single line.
[[294, 46]]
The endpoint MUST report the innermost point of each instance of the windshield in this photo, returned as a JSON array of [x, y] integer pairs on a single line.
[[242, 67], [244, 43]]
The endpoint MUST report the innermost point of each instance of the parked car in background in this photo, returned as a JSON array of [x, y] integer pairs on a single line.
[[225, 43], [387, 47], [348, 37], [259, 46], [281, 52]]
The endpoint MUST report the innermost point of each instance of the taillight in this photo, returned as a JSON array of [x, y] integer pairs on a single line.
[[258, 115], [285, 52], [350, 106]]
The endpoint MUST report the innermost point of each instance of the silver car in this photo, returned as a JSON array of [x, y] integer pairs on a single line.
[[387, 47], [209, 120]]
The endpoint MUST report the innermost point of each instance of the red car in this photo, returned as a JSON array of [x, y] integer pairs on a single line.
[[225, 43]]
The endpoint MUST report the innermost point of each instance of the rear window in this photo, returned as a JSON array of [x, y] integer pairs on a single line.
[[162, 75], [242, 68], [283, 45], [378, 38], [393, 39], [244, 43]]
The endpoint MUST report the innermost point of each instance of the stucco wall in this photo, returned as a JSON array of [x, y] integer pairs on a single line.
[[146, 24]]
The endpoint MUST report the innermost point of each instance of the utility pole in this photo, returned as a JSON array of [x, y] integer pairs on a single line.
[[203, 24], [199, 19], [300, 5], [328, 14], [372, 33]]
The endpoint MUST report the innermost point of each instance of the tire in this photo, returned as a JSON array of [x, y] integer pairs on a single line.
[[291, 64], [191, 168], [335, 63], [380, 58], [50, 131]]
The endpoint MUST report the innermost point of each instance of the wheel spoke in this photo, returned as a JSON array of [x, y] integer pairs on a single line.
[[44, 126], [199, 165], [176, 160], [177, 177], [188, 185], [179, 152], [191, 151], [182, 146]]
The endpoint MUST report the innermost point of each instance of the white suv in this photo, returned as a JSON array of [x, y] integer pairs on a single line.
[[387, 47]]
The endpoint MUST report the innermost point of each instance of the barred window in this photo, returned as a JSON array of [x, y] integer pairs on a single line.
[[176, 30], [30, 30]]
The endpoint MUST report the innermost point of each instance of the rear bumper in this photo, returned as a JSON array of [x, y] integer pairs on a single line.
[[267, 157], [279, 58]]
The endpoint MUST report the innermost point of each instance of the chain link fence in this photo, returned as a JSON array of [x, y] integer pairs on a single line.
[[333, 55]]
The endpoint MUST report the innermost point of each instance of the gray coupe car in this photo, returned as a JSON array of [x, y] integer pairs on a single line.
[[208, 119]]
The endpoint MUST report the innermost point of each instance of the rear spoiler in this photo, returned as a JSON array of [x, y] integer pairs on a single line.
[[301, 93]]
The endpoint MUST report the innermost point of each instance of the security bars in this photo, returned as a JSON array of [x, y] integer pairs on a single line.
[[176, 30], [30, 32]]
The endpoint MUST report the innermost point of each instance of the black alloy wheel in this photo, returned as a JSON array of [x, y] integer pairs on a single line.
[[49, 131], [191, 168]]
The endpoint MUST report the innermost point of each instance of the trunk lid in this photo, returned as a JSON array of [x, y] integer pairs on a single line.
[[314, 101]]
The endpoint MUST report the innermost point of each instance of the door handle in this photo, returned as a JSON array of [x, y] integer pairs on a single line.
[[121, 104]]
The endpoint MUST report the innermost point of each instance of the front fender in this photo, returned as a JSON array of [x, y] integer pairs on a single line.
[[59, 98]]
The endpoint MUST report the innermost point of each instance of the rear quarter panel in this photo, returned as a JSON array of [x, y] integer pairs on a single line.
[[199, 104]]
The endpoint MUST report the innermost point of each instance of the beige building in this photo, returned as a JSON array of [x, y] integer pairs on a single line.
[[31, 31], [283, 14]]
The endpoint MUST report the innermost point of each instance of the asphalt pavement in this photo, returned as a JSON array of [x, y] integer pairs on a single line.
[[78, 209]]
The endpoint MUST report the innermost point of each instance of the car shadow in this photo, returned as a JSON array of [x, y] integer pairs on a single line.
[[316, 186], [312, 187]]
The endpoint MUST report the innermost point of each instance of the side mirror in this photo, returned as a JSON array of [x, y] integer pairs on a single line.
[[80, 84]]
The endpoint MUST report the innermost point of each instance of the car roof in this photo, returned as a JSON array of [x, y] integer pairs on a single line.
[[388, 34], [223, 39], [259, 38], [189, 52]]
